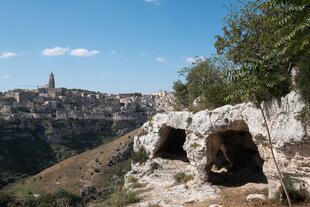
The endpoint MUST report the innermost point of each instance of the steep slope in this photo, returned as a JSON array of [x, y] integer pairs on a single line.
[[87, 170]]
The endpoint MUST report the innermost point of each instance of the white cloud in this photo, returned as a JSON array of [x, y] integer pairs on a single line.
[[5, 76], [6, 55], [161, 59], [55, 51], [80, 52], [195, 59], [113, 52], [155, 2]]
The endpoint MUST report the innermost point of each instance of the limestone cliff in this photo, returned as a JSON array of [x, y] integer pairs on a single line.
[[226, 146]]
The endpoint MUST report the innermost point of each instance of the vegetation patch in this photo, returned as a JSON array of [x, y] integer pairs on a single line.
[[182, 177], [132, 179], [195, 145], [296, 193], [60, 198], [140, 156], [189, 120], [121, 198]]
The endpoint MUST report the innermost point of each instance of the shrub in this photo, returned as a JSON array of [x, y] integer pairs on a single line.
[[296, 194], [5, 198], [132, 179], [182, 177], [303, 79], [134, 182], [138, 185], [121, 198], [140, 156], [189, 120], [195, 145], [61, 198]]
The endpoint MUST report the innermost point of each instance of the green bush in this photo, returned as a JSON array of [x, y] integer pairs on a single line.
[[61, 198], [204, 79], [132, 179], [140, 156], [296, 195], [182, 177], [5, 198], [121, 198], [189, 120], [303, 79]]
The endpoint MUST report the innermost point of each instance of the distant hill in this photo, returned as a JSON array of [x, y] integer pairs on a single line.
[[92, 169]]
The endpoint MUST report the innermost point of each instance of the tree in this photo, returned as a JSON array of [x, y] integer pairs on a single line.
[[181, 94], [291, 19], [247, 41], [203, 79]]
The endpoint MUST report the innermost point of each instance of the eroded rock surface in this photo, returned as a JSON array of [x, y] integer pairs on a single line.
[[290, 138]]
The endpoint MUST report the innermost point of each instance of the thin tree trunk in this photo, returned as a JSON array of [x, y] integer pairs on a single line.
[[274, 159]]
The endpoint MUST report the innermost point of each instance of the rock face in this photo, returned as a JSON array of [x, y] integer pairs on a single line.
[[229, 145], [29, 145]]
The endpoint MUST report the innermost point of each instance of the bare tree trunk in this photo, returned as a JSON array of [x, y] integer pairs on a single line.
[[274, 158]]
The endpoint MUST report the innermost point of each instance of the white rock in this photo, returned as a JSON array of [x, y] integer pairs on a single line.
[[215, 205], [255, 197], [36, 195], [289, 137]]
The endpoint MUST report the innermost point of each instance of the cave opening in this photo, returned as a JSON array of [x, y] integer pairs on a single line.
[[233, 158], [172, 141]]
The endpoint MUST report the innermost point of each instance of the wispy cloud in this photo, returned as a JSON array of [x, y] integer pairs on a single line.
[[6, 55], [154, 2], [161, 59], [5, 76], [195, 59], [145, 54], [24, 53], [80, 52], [55, 51], [113, 52]]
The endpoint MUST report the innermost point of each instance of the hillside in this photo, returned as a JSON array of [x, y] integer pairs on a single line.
[[92, 169]]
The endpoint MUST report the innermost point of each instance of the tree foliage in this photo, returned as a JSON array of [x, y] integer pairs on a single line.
[[248, 41], [261, 42], [203, 79], [291, 20]]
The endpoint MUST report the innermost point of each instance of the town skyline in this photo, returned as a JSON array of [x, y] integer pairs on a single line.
[[122, 46]]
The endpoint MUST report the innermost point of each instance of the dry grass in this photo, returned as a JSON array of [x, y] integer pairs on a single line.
[[72, 173]]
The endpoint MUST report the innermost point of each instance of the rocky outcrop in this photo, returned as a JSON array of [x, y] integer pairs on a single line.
[[230, 143]]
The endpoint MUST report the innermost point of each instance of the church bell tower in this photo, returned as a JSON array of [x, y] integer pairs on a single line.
[[51, 81]]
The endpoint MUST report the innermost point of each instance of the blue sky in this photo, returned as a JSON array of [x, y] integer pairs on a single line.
[[105, 45]]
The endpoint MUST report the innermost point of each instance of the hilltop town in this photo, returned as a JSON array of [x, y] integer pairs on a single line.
[[49, 124], [62, 103]]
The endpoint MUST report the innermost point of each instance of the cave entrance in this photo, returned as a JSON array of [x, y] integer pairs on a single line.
[[172, 141], [233, 158]]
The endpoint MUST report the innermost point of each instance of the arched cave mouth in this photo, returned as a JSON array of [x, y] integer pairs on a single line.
[[233, 158], [172, 141]]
